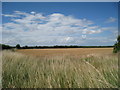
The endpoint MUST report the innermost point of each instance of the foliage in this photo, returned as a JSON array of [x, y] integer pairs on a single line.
[[66, 46], [44, 47], [117, 45], [18, 46], [3, 46]]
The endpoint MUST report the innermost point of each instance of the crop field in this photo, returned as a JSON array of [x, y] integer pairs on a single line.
[[73, 52], [60, 68]]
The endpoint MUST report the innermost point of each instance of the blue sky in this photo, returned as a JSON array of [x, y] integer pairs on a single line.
[[60, 23]]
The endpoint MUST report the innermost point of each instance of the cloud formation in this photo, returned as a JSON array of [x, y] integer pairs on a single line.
[[111, 20], [54, 29]]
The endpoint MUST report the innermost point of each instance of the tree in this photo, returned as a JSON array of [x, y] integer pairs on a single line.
[[18, 46], [26, 47], [117, 45], [3, 46], [118, 39]]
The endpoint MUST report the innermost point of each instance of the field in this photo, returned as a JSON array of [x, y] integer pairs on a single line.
[[60, 68], [68, 51]]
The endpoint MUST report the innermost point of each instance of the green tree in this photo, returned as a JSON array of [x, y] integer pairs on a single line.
[[118, 39], [18, 46], [26, 47], [117, 45]]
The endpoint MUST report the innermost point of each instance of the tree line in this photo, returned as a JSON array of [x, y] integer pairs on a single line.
[[115, 49], [44, 47]]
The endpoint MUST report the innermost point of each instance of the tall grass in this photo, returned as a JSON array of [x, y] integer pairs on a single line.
[[92, 71]]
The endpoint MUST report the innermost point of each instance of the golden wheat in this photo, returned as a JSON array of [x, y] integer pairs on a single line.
[[59, 71]]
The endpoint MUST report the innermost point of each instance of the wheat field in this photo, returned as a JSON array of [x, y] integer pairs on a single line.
[[60, 68]]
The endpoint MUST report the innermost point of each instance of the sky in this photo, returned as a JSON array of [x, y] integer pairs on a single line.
[[60, 0], [59, 23]]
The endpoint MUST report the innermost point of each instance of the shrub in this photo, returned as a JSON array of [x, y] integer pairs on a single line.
[[18, 46], [117, 45]]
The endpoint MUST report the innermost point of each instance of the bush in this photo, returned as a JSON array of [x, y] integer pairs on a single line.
[[3, 46], [18, 46], [117, 45]]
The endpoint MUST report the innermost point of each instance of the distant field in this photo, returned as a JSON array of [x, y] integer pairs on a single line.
[[60, 68], [66, 51]]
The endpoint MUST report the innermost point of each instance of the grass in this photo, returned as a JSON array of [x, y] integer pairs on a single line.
[[90, 71]]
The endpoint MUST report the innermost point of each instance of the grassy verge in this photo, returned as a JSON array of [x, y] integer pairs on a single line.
[[92, 71]]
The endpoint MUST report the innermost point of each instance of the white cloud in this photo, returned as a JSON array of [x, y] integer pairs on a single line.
[[92, 30], [37, 29], [111, 19], [83, 36], [33, 12], [20, 13], [0, 33], [9, 15], [88, 31]]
